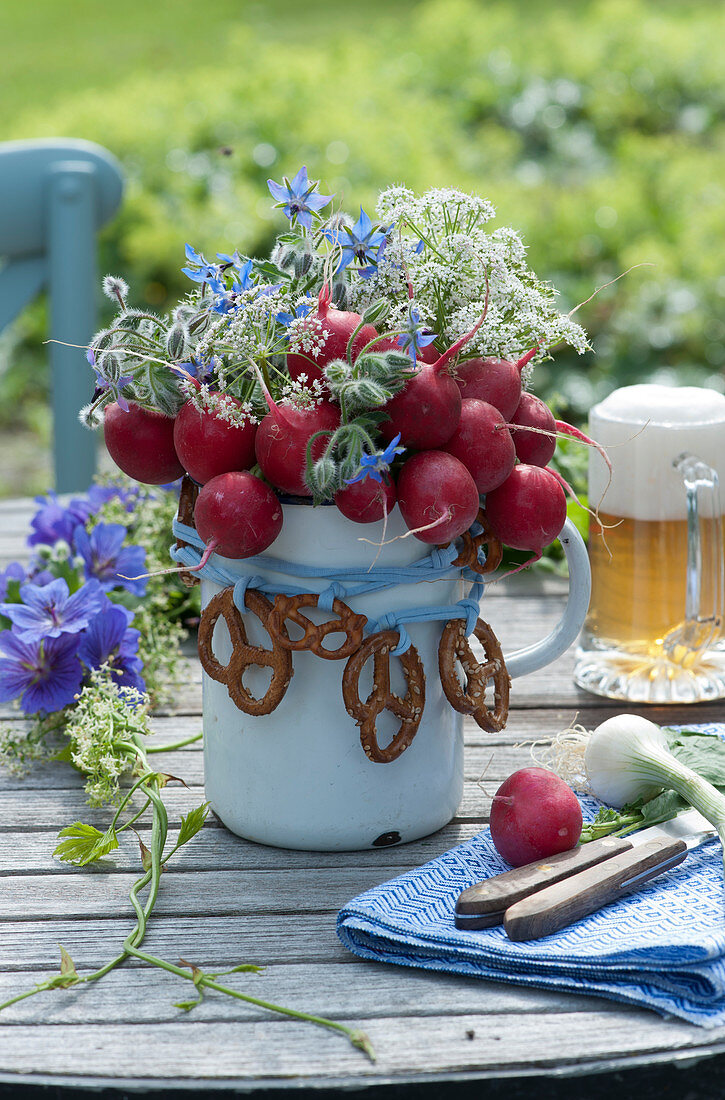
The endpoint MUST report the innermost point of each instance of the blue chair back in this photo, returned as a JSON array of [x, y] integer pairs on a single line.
[[54, 197]]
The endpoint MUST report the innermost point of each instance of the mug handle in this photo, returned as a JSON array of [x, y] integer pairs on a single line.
[[703, 602], [535, 656]]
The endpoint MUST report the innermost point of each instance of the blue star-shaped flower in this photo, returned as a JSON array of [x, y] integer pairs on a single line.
[[363, 242], [49, 610], [103, 383], [300, 311], [299, 199], [377, 464], [414, 337]]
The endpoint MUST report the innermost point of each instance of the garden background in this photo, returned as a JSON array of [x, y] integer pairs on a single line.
[[597, 129]]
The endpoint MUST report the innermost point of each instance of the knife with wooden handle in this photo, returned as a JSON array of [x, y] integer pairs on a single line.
[[540, 898], [484, 904], [568, 901]]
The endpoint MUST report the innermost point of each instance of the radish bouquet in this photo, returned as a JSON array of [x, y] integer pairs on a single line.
[[367, 362]]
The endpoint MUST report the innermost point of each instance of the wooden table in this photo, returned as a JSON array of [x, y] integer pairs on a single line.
[[225, 900]]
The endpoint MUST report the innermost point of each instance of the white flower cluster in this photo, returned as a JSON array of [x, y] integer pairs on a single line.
[[439, 248], [221, 405], [301, 393], [307, 336], [101, 730]]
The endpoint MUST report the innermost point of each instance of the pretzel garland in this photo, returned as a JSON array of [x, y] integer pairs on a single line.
[[243, 654], [347, 622], [409, 709], [472, 544], [187, 499], [454, 646]]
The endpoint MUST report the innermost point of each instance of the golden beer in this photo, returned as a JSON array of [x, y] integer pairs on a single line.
[[639, 581], [654, 630]]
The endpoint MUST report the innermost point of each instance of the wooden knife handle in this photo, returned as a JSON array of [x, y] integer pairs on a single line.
[[565, 902], [489, 898]]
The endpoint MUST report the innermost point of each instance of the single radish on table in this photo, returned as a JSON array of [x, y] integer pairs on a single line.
[[282, 439], [237, 515], [535, 448], [437, 496], [208, 445], [534, 815], [528, 510], [141, 443], [483, 443], [367, 501]]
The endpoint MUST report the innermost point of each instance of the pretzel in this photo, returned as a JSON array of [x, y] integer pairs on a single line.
[[473, 543], [185, 514], [409, 709], [347, 622], [454, 647], [243, 654]]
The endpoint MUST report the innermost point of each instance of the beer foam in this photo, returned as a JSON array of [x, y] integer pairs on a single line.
[[645, 429]]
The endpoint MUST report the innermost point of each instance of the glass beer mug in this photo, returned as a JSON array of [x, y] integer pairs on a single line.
[[654, 631]]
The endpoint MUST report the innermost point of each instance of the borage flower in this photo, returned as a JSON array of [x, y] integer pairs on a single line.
[[108, 560], [363, 242], [378, 464], [414, 335], [299, 199], [104, 385], [45, 675], [109, 640], [49, 610]]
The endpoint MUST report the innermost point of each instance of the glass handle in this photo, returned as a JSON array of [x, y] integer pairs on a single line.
[[705, 582]]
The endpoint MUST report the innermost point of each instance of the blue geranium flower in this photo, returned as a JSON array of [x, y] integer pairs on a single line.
[[414, 337], [363, 242], [54, 521], [108, 560], [378, 464], [299, 199], [14, 572], [49, 610], [109, 640], [45, 675]]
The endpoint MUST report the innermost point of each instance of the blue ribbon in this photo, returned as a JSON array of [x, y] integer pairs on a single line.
[[345, 583]]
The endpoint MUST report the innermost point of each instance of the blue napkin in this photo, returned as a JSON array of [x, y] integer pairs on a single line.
[[662, 947]]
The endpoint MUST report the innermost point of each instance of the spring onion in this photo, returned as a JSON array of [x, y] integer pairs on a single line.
[[627, 759]]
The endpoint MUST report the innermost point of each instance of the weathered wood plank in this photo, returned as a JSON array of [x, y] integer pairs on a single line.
[[217, 942], [262, 1051], [191, 893], [148, 995]]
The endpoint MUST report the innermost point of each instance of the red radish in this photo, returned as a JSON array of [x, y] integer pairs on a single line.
[[497, 381], [282, 438], [528, 510], [335, 327], [483, 443], [367, 501], [534, 815], [141, 443], [437, 496], [237, 514], [535, 448], [208, 445], [428, 354], [426, 412]]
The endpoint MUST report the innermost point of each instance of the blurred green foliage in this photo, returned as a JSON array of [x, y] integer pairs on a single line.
[[598, 130]]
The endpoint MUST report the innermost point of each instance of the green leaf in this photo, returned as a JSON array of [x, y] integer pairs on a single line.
[[187, 1005], [68, 975], [192, 822], [84, 844], [702, 752]]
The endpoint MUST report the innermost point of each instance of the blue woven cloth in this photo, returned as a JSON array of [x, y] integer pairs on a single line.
[[662, 947]]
